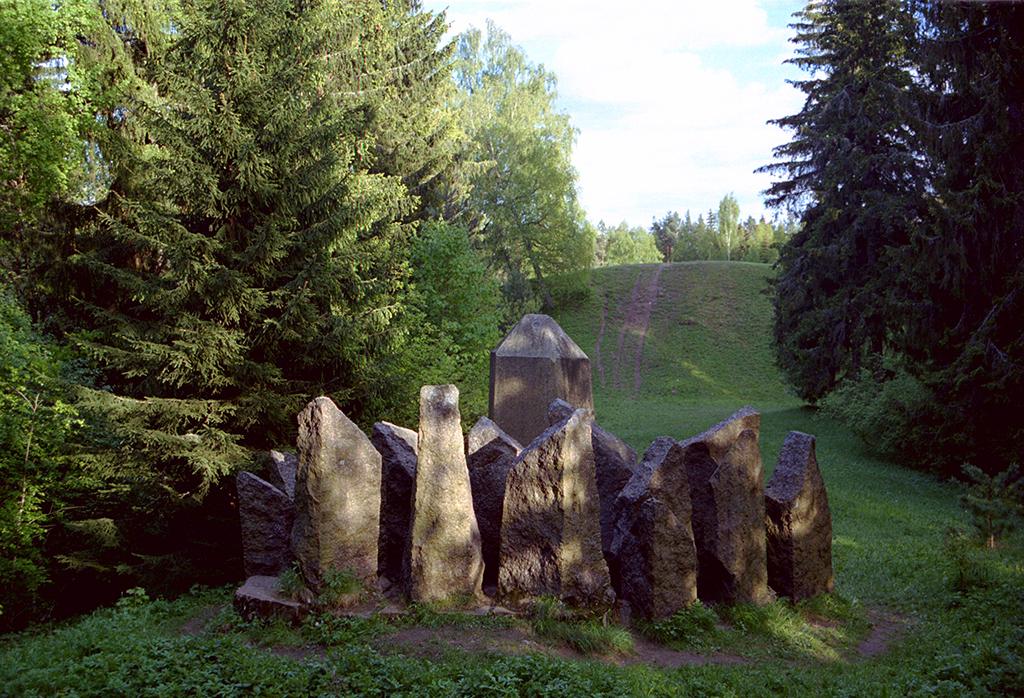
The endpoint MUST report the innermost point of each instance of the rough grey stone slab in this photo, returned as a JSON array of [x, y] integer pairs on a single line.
[[397, 447], [444, 559], [337, 497], [266, 515], [614, 463], [486, 431], [727, 493], [280, 469], [259, 597], [488, 471], [550, 530], [798, 522], [534, 364], [653, 547]]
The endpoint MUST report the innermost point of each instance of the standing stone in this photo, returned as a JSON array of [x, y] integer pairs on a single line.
[[486, 431], [550, 529], [536, 363], [337, 496], [799, 523], [397, 448], [488, 470], [280, 469], [727, 492], [266, 514], [443, 559], [614, 463], [653, 544]]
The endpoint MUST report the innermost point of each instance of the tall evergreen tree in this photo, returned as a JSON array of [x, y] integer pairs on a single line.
[[246, 258], [852, 171]]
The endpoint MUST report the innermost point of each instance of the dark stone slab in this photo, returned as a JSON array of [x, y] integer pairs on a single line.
[[397, 447], [266, 515], [798, 523]]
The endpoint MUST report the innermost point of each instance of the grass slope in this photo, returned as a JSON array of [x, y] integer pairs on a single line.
[[958, 610]]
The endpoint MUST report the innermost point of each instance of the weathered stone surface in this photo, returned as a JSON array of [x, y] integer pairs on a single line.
[[550, 530], [798, 523], [614, 463], [337, 496], [727, 492], [488, 470], [397, 447], [266, 515], [444, 558], [486, 431], [536, 363], [280, 469], [259, 597], [653, 546]]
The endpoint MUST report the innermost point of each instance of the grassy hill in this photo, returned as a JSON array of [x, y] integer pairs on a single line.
[[675, 349]]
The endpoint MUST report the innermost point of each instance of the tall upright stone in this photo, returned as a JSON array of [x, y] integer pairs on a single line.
[[337, 496], [550, 529], [489, 454], [443, 559], [397, 447], [653, 546], [536, 363], [614, 465], [727, 493], [266, 515], [798, 523]]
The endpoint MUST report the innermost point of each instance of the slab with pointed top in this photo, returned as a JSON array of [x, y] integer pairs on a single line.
[[536, 363]]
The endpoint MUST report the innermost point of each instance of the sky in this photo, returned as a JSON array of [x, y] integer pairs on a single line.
[[670, 97]]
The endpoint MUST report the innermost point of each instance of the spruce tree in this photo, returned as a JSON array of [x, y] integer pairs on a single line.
[[246, 257], [851, 170]]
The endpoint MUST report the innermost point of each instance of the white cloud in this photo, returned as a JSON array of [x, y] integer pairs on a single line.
[[671, 98]]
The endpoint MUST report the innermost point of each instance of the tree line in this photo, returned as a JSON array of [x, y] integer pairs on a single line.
[[718, 235], [899, 302], [213, 212]]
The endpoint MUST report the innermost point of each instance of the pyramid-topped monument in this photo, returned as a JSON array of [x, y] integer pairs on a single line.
[[536, 363]]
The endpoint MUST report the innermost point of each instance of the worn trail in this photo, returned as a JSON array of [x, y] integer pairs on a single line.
[[636, 319]]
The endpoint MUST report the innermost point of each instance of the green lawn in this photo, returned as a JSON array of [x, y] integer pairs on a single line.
[[955, 611]]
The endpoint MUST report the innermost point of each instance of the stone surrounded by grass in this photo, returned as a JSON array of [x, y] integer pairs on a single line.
[[260, 597], [337, 497], [727, 493], [443, 559], [534, 364], [279, 470], [266, 515], [614, 465], [798, 522], [653, 547], [397, 447], [486, 431], [550, 530]]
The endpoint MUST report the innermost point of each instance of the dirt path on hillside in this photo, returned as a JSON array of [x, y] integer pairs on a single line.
[[636, 318]]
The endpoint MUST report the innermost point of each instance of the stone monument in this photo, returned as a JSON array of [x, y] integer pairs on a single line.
[[536, 363]]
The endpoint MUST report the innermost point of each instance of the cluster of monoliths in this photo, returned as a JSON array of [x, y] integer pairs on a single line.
[[571, 514]]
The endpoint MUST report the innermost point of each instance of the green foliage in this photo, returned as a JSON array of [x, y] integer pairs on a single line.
[[456, 310], [552, 620], [995, 503], [622, 244], [36, 421], [341, 588], [728, 224], [290, 583], [893, 414], [693, 626], [523, 201]]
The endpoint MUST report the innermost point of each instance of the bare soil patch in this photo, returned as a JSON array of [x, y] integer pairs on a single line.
[[886, 628]]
